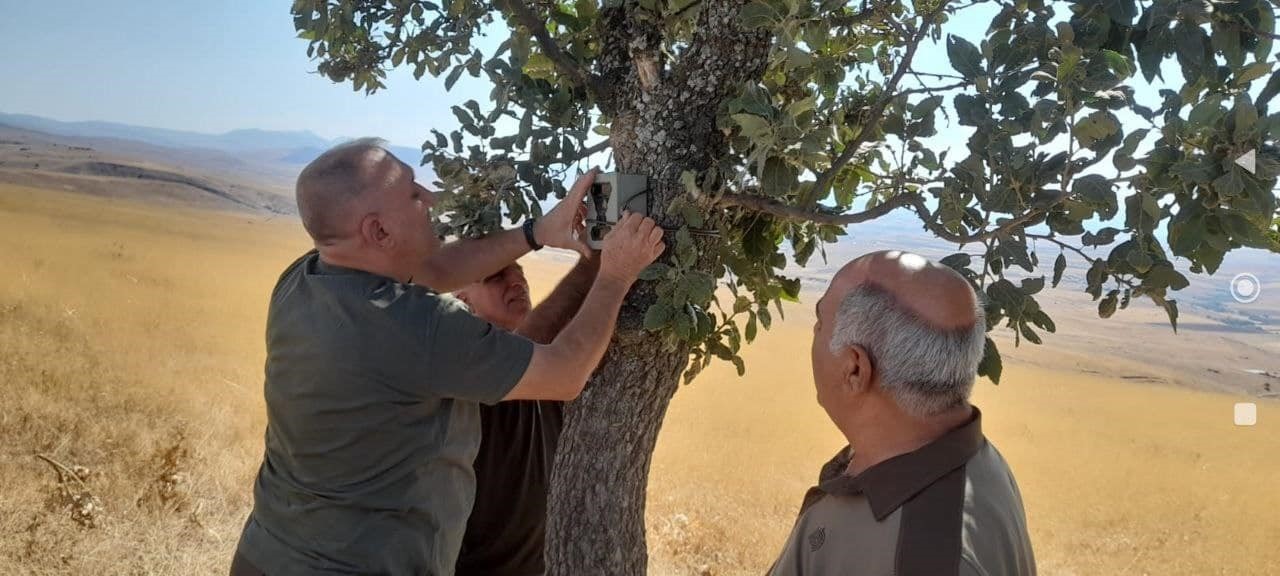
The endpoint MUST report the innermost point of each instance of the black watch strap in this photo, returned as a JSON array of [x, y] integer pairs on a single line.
[[528, 234]]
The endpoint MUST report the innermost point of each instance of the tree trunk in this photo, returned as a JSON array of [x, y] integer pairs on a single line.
[[596, 507], [663, 125]]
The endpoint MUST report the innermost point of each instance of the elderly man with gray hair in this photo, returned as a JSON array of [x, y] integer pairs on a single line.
[[919, 490]]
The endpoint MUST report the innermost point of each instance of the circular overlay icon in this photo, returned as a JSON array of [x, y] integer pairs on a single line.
[[1245, 288]]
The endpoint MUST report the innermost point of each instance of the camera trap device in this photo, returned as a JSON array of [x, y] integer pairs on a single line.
[[612, 194]]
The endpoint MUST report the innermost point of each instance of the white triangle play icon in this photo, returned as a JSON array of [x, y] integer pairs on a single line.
[[1248, 161]]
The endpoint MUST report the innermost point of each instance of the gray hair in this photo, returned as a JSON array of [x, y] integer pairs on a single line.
[[924, 369]]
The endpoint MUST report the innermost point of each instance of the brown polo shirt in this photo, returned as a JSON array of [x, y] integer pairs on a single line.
[[950, 508]]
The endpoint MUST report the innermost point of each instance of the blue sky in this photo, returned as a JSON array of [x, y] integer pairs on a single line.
[[201, 66], [219, 66]]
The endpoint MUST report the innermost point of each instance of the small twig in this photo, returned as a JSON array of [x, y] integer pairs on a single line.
[[63, 470]]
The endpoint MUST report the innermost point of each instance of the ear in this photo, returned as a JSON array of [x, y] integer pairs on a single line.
[[375, 232], [462, 295], [856, 369]]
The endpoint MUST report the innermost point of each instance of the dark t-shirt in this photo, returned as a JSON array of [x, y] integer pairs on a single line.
[[373, 390], [507, 527]]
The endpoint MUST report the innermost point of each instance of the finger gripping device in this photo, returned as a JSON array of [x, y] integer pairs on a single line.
[[611, 195]]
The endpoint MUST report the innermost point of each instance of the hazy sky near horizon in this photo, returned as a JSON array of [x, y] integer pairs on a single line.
[[199, 66]]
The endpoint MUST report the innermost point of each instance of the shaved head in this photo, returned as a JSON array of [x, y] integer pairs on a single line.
[[330, 187], [938, 295]]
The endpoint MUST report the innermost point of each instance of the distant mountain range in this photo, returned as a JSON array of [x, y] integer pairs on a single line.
[[294, 148]]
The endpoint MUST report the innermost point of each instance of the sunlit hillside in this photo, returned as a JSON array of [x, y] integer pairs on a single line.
[[131, 352]]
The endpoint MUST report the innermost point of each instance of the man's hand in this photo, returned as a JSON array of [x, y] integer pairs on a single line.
[[559, 370], [563, 226], [633, 243]]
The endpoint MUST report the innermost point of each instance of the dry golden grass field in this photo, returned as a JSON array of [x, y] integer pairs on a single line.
[[131, 345]]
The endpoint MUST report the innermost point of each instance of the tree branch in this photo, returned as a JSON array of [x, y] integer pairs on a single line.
[[931, 90], [600, 146], [1028, 218], [820, 215], [564, 64], [824, 179], [826, 215]]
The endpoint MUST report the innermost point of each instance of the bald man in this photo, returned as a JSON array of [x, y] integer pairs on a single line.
[[374, 379], [919, 491]]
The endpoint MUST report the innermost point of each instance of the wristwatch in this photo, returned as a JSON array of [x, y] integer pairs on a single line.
[[528, 234]]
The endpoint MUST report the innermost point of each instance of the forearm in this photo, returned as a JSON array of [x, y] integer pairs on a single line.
[[460, 262], [552, 314], [559, 370]]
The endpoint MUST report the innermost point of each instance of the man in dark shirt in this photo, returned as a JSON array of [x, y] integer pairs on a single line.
[[507, 527], [374, 381]]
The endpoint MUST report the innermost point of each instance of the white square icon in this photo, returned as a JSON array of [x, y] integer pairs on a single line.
[[1246, 414]]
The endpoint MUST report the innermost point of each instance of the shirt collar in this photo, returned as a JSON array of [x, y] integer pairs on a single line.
[[890, 484]]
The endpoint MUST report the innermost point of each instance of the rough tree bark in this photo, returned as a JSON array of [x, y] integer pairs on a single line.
[[663, 124]]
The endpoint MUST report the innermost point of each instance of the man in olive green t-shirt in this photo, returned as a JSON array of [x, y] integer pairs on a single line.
[[374, 379]]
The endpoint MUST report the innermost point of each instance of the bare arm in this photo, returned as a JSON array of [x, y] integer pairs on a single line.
[[559, 370], [461, 262], [547, 319]]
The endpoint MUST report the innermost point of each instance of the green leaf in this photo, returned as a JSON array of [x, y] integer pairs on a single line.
[[752, 126], [453, 77], [654, 271], [1121, 11], [1118, 63], [1096, 127], [1266, 28], [1171, 309], [1029, 334], [1032, 286], [1100, 238], [658, 315], [1059, 266], [1098, 192], [926, 107], [991, 365], [958, 261], [1226, 40], [689, 179], [1095, 277], [778, 177], [758, 14], [739, 365], [1107, 306], [1206, 112], [1191, 42], [971, 110], [1140, 260], [1246, 120], [540, 66], [965, 57]]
